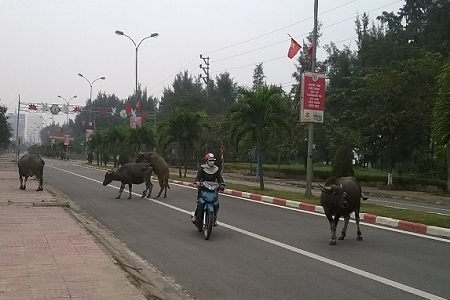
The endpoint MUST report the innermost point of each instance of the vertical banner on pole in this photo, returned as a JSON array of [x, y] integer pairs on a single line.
[[312, 97]]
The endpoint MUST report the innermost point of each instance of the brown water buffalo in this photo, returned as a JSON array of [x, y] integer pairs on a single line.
[[31, 165], [131, 173], [340, 197], [160, 167]]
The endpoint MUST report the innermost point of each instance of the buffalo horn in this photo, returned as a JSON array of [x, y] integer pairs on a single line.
[[324, 188]]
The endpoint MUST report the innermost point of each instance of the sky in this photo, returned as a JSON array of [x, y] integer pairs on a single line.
[[46, 43]]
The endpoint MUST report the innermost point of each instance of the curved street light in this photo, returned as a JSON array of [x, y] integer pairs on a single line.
[[91, 84], [45, 120], [67, 101], [153, 35]]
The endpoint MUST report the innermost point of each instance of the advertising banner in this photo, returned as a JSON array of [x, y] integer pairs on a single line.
[[312, 97], [135, 122], [89, 133]]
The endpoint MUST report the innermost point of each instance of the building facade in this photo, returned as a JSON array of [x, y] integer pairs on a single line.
[[12, 120]]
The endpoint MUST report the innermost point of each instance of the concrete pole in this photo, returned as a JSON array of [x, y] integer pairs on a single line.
[[309, 161], [17, 132]]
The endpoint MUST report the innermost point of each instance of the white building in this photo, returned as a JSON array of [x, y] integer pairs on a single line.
[[34, 125], [12, 120]]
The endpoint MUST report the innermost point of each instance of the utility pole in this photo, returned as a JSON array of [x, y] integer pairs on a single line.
[[206, 80], [206, 71], [309, 160], [17, 132]]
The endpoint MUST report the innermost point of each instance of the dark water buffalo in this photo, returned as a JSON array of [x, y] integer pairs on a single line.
[[160, 167], [31, 165], [340, 197], [131, 173]]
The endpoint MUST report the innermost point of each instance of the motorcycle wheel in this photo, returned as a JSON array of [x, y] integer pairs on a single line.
[[208, 222]]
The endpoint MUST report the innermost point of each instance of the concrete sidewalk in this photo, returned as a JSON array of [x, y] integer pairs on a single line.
[[45, 253]]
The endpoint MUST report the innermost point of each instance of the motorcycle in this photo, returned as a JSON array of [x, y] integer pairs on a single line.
[[207, 207]]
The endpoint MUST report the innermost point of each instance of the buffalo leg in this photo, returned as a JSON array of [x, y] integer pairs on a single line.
[[333, 225], [122, 186], [25, 182], [40, 180], [161, 186], [344, 229], [166, 184], [129, 190], [148, 189], [22, 187], [358, 232]]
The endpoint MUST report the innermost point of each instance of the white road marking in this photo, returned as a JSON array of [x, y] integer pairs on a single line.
[[320, 258]]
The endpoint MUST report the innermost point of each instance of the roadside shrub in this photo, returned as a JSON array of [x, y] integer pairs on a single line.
[[405, 168]]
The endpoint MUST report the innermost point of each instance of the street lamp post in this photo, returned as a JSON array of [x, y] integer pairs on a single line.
[[153, 35], [90, 92], [67, 102], [91, 84]]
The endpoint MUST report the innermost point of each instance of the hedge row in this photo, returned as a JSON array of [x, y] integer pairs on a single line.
[[413, 182]]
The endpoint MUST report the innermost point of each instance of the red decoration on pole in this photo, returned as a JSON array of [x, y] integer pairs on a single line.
[[293, 49]]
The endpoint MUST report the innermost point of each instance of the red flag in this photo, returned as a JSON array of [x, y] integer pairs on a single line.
[[294, 48], [310, 51], [138, 104], [128, 109]]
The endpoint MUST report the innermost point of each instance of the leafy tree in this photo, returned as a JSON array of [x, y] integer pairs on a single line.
[[5, 129], [225, 92], [427, 24], [258, 76], [186, 93], [342, 163], [441, 113]]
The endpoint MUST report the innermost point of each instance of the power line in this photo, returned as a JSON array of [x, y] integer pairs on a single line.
[[171, 76], [304, 34], [274, 44], [249, 65], [269, 33]]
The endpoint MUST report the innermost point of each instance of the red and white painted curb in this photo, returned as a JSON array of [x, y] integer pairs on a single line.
[[364, 217]]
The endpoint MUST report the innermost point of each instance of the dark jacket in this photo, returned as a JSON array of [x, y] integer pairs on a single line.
[[207, 173]]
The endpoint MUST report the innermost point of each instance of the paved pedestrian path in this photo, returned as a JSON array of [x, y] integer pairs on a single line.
[[46, 254]]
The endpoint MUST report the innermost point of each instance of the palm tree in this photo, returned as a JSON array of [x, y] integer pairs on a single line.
[[184, 129], [139, 136], [256, 113]]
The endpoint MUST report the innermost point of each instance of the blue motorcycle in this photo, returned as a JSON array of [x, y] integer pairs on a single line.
[[207, 207]]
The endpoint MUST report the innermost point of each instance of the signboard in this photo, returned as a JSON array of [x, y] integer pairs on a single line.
[[66, 140], [89, 133], [312, 97], [54, 109], [135, 122]]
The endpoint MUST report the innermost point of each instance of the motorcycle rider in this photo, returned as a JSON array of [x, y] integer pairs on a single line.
[[208, 172]]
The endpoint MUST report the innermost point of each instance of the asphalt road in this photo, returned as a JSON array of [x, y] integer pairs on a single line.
[[260, 251]]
